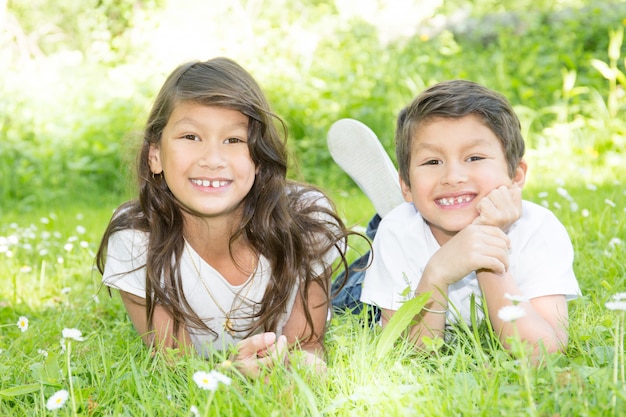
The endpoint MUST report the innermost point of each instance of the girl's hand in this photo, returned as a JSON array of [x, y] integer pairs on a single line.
[[501, 207], [308, 359], [259, 351]]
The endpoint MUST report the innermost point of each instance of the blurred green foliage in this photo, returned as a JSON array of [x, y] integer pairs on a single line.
[[77, 78]]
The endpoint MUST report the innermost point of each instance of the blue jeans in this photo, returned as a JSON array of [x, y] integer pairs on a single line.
[[347, 291]]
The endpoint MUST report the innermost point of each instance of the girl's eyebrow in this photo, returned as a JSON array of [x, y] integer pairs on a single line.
[[186, 120]]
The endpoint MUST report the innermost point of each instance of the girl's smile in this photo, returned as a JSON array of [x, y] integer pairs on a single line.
[[204, 156]]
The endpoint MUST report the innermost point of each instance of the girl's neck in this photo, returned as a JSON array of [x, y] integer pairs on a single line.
[[212, 243]]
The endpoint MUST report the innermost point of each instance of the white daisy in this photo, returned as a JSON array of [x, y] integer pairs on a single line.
[[511, 313], [57, 400], [22, 323], [205, 380], [515, 299], [220, 377], [73, 334], [616, 305]]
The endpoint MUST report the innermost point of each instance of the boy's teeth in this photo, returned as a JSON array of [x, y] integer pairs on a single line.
[[457, 200]]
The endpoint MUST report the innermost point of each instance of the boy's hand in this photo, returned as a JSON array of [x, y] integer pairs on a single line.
[[476, 247], [501, 207]]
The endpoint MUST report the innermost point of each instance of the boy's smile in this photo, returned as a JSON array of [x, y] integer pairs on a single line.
[[455, 162]]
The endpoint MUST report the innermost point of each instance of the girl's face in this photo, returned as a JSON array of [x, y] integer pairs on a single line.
[[204, 157], [454, 164]]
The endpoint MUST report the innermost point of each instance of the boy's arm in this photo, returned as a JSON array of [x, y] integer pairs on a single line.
[[545, 320], [483, 247]]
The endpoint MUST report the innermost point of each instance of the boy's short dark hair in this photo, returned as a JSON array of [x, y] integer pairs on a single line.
[[455, 99]]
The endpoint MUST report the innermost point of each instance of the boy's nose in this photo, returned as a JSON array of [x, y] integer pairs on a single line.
[[454, 173]]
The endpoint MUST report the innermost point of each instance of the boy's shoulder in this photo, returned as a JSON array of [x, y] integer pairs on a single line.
[[536, 219], [535, 212], [401, 214]]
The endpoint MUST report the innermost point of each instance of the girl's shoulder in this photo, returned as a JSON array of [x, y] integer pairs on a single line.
[[304, 195]]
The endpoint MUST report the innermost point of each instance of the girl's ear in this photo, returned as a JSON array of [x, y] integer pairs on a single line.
[[520, 174], [154, 159], [406, 191]]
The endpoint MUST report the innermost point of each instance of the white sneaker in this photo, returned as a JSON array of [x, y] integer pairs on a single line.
[[357, 150]]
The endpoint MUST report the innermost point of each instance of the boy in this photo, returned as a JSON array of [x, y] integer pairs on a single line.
[[460, 153]]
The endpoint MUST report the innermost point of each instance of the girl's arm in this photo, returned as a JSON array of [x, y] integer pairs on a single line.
[[297, 329], [545, 320], [162, 336], [265, 349]]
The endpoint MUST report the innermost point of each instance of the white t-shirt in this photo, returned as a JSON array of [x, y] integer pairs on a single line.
[[125, 270], [540, 260]]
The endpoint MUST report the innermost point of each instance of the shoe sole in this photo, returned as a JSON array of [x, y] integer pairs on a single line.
[[357, 150]]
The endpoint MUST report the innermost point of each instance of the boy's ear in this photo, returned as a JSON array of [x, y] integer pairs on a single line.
[[520, 174], [406, 191], [154, 159]]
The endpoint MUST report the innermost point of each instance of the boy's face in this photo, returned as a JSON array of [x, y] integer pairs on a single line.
[[454, 164]]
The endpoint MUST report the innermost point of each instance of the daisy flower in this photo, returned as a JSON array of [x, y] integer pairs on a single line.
[[220, 377], [57, 400], [616, 305], [511, 313], [73, 334], [205, 380], [515, 299], [22, 323]]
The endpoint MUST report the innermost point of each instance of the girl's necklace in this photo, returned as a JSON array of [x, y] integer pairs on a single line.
[[228, 320]]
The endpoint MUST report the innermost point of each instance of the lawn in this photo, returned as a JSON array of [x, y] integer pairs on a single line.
[[47, 276]]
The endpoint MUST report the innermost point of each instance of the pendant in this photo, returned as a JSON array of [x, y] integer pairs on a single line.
[[228, 326]]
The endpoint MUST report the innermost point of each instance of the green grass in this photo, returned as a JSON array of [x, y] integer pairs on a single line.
[[112, 373]]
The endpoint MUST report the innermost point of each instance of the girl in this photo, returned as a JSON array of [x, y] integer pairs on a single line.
[[220, 248]]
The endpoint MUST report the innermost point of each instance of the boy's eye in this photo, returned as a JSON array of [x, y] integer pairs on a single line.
[[431, 162], [191, 137], [475, 158]]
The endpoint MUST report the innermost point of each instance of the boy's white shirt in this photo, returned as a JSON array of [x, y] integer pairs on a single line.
[[541, 260], [125, 270]]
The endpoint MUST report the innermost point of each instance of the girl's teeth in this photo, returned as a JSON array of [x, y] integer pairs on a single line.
[[208, 183]]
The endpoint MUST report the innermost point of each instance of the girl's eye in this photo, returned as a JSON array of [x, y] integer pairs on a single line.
[[191, 137], [233, 140], [475, 158], [431, 162]]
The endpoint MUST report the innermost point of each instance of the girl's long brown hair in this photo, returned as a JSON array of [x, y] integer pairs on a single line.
[[291, 231]]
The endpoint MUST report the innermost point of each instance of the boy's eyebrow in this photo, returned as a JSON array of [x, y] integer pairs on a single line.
[[438, 144]]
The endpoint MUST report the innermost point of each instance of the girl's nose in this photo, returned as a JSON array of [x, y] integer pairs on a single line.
[[212, 156]]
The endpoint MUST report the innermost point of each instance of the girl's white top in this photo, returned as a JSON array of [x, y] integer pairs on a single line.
[[540, 260], [125, 270]]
